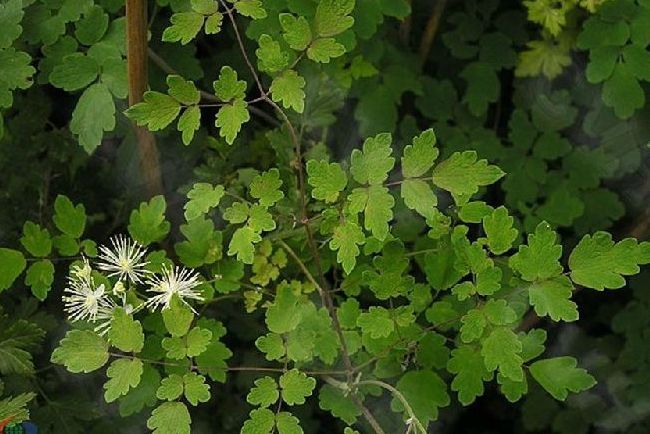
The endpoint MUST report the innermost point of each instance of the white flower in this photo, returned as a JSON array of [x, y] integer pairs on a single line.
[[82, 298], [177, 280], [124, 259]]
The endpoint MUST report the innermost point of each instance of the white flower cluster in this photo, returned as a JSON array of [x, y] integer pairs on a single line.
[[87, 301]]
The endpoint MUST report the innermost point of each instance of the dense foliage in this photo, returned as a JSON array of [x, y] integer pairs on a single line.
[[376, 216]]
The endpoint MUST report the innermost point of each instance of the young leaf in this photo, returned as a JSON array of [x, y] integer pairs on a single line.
[[560, 375], [270, 57], [196, 389], [323, 49], [241, 244], [183, 91], [376, 323], [170, 388], [467, 364], [378, 211], [261, 421], [39, 277], [197, 341], [69, 218], [288, 423], [419, 197], [36, 240], [75, 72], [178, 317], [188, 123]]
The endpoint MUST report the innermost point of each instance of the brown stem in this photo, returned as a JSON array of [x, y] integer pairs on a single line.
[[136, 47], [431, 29]]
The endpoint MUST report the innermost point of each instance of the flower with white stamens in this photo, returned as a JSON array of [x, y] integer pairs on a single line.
[[177, 280], [82, 298], [124, 259]]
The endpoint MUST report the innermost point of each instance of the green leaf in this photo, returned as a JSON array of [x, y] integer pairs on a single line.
[[332, 399], [144, 395], [483, 87], [18, 339], [419, 157], [92, 26], [346, 239], [260, 219], [156, 111], [185, 26], [261, 421], [230, 118], [378, 211], [228, 87], [470, 373], [203, 245], [327, 180], [462, 175], [196, 389], [69, 218], [178, 317], [638, 60], [296, 386], [170, 388], [15, 409], [597, 262], [36, 240], [251, 8], [376, 323], [502, 350], [265, 187], [264, 393], [271, 345], [419, 197], [16, 73], [296, 31], [175, 348], [288, 423], [183, 91], [75, 72], [552, 297], [40, 276], [202, 198], [371, 166], [499, 230], [11, 14], [559, 375], [473, 212], [270, 57], [538, 260], [602, 61], [323, 49], [622, 92], [212, 361], [170, 418], [288, 88], [284, 314], [94, 114], [332, 17], [123, 374], [197, 341], [188, 123], [125, 332], [12, 263], [425, 392], [242, 244], [147, 224], [81, 351]]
